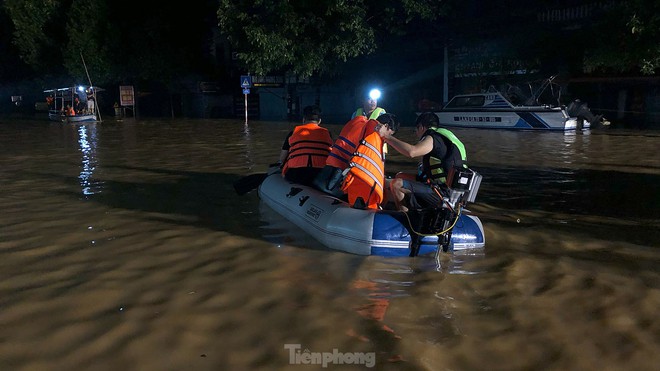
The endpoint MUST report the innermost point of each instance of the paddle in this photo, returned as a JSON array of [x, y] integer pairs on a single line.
[[253, 181], [248, 183]]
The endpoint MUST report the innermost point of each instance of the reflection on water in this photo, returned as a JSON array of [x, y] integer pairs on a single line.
[[88, 143], [248, 155], [183, 266]]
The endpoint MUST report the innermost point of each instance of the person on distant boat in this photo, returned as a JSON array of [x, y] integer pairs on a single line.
[[78, 105], [90, 103], [305, 148], [364, 179], [440, 150], [70, 111], [370, 107]]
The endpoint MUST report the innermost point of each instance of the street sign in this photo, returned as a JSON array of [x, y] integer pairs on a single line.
[[126, 95], [246, 91], [246, 82]]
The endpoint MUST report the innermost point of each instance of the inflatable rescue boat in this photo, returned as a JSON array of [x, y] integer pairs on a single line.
[[365, 232]]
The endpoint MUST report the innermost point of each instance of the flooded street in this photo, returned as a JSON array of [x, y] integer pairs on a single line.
[[123, 245]]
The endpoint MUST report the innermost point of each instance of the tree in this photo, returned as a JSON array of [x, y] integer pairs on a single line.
[[89, 39], [37, 32], [12, 68], [626, 39], [308, 37], [120, 40]]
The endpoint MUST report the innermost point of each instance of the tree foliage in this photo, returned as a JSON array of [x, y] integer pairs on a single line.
[[36, 32], [307, 37], [120, 40], [626, 39], [124, 40], [89, 39]]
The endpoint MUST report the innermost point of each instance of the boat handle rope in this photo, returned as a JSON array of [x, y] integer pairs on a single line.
[[433, 234]]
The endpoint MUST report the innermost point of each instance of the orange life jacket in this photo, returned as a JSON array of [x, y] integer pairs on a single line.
[[347, 142], [71, 111], [366, 177], [310, 145]]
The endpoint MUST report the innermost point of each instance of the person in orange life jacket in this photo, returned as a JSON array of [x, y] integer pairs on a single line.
[[440, 150], [70, 111], [330, 178], [364, 181], [305, 148]]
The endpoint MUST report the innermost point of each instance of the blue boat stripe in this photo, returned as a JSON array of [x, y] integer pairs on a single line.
[[533, 120]]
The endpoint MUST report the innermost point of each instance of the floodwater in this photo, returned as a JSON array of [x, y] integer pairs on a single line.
[[123, 246]]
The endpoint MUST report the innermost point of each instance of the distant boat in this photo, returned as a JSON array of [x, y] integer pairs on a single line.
[[58, 99], [494, 110]]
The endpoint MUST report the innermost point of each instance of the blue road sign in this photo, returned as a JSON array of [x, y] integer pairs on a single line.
[[246, 91], [246, 81]]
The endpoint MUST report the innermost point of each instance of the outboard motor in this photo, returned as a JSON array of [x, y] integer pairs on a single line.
[[461, 188], [581, 110]]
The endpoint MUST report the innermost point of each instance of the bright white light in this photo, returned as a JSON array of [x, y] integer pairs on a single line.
[[81, 88], [374, 94]]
